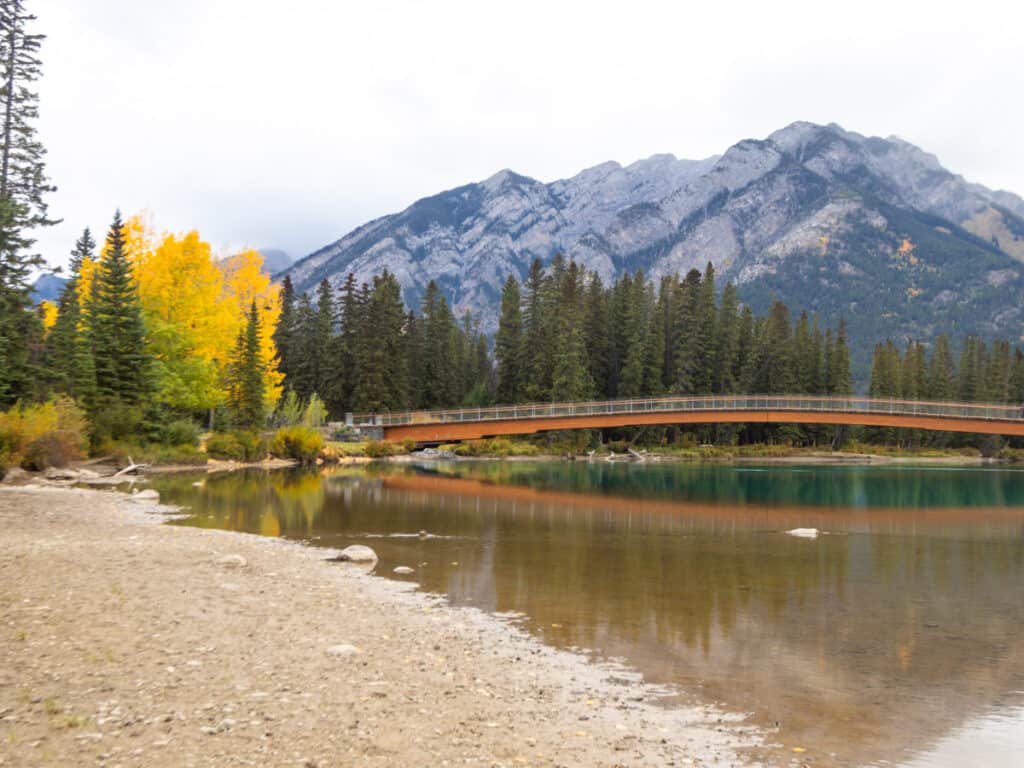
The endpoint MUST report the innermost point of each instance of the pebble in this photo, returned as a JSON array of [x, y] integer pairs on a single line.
[[232, 561], [404, 570], [343, 650]]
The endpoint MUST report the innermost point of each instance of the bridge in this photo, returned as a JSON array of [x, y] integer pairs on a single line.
[[448, 426]]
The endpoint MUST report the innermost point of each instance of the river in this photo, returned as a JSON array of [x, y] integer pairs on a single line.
[[892, 638]]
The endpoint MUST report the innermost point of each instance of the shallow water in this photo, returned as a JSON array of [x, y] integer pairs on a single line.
[[893, 638]]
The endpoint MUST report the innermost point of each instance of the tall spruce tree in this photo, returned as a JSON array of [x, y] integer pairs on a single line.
[[285, 333], [116, 331], [23, 185], [508, 344], [246, 399], [69, 354], [436, 379]]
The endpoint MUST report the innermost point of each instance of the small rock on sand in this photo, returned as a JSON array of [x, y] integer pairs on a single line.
[[404, 570], [232, 561], [342, 650], [357, 553], [804, 533]]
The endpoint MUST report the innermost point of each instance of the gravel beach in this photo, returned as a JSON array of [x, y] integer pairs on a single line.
[[124, 642]]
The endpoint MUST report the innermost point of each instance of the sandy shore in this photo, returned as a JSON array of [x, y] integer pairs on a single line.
[[126, 643]]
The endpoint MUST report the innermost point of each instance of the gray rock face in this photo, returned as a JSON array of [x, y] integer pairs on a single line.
[[778, 216]]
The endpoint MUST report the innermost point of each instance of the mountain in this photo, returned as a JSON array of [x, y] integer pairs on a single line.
[[47, 287], [868, 229], [275, 260]]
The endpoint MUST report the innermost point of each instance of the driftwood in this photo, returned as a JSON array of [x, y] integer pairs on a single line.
[[131, 468], [637, 456]]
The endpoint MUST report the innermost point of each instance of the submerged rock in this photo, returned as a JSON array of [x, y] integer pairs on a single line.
[[147, 495], [357, 553], [404, 570], [804, 533]]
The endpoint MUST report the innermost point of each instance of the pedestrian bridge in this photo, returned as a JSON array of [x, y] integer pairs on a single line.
[[471, 423]]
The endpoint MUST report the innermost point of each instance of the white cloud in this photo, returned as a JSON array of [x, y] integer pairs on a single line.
[[289, 124]]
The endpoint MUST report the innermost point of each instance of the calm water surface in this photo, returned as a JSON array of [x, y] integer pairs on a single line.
[[894, 638]]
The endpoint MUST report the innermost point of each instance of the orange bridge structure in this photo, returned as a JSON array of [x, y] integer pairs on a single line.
[[449, 426]]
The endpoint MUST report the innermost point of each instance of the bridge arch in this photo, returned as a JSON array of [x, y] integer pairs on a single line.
[[472, 423]]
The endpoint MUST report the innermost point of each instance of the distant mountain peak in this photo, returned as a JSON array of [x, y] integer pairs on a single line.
[[826, 219]]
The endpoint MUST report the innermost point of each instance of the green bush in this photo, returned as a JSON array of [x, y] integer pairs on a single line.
[[116, 421], [299, 443], [179, 432], [380, 449], [236, 446], [253, 444], [224, 445]]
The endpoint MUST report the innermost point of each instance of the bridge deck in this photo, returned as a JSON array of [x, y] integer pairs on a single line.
[[470, 423]]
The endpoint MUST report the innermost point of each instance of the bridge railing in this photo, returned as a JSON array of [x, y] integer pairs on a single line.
[[676, 404]]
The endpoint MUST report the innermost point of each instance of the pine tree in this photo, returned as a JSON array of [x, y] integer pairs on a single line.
[[69, 355], [508, 344], [727, 341], [305, 362], [350, 310], [1017, 379], [323, 331], [246, 372], [23, 185], [284, 333], [437, 375], [570, 379], [941, 371], [116, 330], [842, 382], [381, 359], [535, 357], [686, 331], [595, 332]]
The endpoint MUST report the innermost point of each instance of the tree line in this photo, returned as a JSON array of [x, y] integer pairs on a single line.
[[362, 349], [983, 373]]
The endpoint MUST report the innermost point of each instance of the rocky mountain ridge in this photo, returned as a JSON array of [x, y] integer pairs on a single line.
[[874, 230]]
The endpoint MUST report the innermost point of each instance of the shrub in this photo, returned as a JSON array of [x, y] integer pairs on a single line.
[[179, 432], [224, 445], [299, 443], [380, 449], [236, 446], [289, 412], [253, 445], [116, 421], [44, 435], [52, 449], [315, 413], [408, 445]]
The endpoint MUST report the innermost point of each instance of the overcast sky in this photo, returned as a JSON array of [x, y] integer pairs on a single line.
[[288, 124]]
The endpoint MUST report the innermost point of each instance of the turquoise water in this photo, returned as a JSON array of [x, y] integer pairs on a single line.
[[893, 637]]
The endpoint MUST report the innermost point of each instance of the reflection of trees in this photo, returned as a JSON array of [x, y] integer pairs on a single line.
[[271, 503], [834, 486]]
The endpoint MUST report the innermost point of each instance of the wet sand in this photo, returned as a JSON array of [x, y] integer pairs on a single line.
[[126, 643]]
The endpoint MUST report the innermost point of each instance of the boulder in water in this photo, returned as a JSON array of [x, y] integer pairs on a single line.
[[357, 553], [404, 570]]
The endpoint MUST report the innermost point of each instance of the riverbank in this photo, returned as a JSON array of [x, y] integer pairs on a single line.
[[131, 643]]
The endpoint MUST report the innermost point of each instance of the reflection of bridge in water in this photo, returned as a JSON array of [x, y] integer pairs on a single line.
[[473, 423]]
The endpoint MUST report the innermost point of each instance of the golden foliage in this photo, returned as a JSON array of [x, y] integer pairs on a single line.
[[194, 306], [49, 314]]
